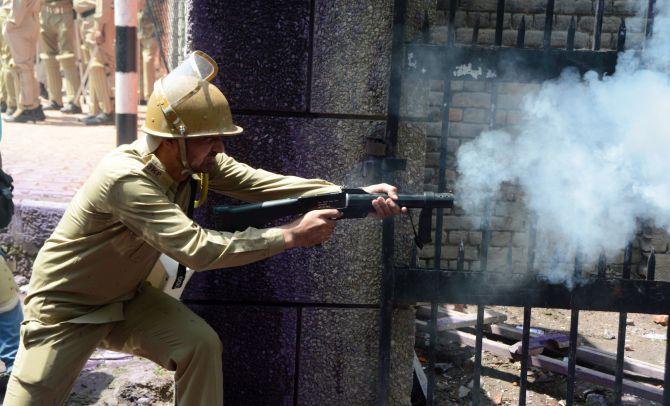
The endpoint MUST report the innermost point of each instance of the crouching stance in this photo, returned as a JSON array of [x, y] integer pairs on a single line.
[[88, 286]]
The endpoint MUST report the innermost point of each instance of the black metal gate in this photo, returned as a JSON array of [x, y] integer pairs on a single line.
[[481, 288]]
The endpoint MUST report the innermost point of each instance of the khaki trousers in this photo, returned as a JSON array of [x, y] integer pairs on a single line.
[[57, 47], [156, 327], [22, 40]]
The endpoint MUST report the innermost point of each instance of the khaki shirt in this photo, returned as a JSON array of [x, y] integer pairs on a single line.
[[127, 213], [9, 293]]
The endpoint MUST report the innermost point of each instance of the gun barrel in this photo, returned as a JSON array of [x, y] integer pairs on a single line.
[[423, 200]]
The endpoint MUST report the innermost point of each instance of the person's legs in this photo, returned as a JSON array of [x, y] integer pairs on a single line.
[[23, 45], [162, 329], [10, 322], [49, 360]]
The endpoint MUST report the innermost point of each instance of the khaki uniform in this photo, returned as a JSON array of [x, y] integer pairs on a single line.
[[9, 293], [21, 30], [148, 50], [8, 76], [88, 283], [98, 58], [57, 47]]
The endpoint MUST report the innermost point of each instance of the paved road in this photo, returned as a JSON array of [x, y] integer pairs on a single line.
[[51, 160]]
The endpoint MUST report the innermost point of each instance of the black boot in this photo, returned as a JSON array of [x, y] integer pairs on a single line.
[[100, 119], [23, 116], [70, 108], [52, 105], [38, 114]]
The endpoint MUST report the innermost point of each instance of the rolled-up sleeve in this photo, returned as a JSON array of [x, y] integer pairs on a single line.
[[248, 184], [147, 211]]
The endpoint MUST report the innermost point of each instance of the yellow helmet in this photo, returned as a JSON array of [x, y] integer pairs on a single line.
[[184, 104]]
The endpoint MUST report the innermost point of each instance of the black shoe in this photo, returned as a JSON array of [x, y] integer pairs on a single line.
[[38, 114], [143, 102], [43, 91], [70, 108], [52, 105], [100, 119]]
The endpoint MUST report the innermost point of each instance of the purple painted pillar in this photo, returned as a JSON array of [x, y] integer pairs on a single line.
[[308, 81]]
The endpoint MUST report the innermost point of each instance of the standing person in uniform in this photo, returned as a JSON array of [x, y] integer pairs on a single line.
[[57, 51], [148, 50], [10, 81], [21, 30], [99, 43], [88, 284]]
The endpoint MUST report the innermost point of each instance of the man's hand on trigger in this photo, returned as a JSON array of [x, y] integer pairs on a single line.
[[385, 207], [311, 229]]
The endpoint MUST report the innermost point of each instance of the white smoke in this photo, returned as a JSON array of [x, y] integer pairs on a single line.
[[592, 154]]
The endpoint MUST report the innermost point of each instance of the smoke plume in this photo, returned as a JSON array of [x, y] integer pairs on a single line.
[[592, 155]]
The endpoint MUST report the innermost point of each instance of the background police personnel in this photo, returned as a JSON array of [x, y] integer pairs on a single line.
[[21, 30], [97, 26], [57, 50], [8, 77], [148, 50], [88, 282]]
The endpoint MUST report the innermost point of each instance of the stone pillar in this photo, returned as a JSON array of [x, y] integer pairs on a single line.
[[308, 81]]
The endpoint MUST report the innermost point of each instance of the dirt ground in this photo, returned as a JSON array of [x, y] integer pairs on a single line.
[[500, 377]]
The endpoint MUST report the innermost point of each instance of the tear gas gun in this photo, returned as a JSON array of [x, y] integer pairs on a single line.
[[352, 203], [172, 277]]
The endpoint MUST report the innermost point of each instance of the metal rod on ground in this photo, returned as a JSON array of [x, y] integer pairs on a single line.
[[621, 336], [500, 18], [598, 28], [126, 97], [651, 265], [574, 330], [430, 401], [548, 24], [527, 314]]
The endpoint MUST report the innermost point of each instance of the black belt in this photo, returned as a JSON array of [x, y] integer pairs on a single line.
[[87, 13]]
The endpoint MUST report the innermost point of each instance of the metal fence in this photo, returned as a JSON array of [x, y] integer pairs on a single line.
[[527, 290], [169, 17]]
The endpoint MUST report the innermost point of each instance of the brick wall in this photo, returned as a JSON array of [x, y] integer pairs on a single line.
[[471, 112]]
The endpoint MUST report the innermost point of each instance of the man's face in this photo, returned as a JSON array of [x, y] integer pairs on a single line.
[[201, 153]]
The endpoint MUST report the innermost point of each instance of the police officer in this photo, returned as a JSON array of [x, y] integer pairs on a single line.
[[98, 36], [8, 77], [148, 50], [58, 51], [21, 30], [88, 282]]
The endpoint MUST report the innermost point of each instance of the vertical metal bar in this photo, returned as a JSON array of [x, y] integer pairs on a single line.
[[651, 265], [521, 33], [425, 28], [525, 337], [666, 380], [621, 336], [475, 30], [500, 18], [602, 265], [574, 330], [572, 28], [598, 28], [483, 258], [621, 36], [432, 350], [442, 185], [388, 273], [651, 12], [461, 257], [548, 24]]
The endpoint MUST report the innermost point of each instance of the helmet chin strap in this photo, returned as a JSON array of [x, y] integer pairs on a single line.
[[186, 170]]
